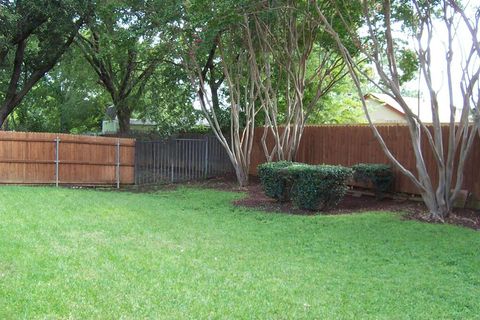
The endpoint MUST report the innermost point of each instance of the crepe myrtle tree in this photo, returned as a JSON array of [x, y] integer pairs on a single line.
[[241, 101], [293, 65], [378, 44]]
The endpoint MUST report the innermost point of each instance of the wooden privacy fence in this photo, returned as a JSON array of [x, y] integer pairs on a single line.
[[351, 144], [49, 158], [180, 159]]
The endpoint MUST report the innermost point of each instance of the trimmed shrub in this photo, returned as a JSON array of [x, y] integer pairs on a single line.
[[274, 182], [318, 187], [379, 175]]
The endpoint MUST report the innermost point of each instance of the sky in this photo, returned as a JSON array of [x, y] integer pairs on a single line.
[[461, 46]]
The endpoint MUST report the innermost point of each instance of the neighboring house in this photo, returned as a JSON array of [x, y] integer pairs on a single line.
[[384, 109], [112, 126], [110, 123]]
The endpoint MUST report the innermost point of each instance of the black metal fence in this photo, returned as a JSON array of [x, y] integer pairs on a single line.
[[180, 159]]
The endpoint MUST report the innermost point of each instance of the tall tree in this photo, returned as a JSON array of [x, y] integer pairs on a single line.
[[242, 103], [33, 36], [167, 101], [215, 38], [380, 47], [208, 20], [294, 65], [124, 45]]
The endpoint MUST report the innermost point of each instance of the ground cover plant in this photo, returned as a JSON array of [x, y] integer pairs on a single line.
[[190, 253]]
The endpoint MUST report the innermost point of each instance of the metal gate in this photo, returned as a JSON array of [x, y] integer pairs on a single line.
[[180, 159]]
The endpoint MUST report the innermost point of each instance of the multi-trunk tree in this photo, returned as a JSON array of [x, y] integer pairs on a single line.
[[217, 63], [420, 22], [274, 64], [294, 65], [241, 102]]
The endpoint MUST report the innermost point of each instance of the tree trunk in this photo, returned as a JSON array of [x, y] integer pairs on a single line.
[[215, 100], [242, 176], [123, 115], [3, 117], [5, 126]]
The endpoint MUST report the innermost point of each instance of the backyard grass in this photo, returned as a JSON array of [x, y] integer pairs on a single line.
[[190, 253]]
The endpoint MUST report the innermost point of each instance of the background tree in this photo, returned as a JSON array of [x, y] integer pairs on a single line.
[[381, 49], [208, 20], [67, 99], [338, 106], [168, 101], [33, 37], [124, 45]]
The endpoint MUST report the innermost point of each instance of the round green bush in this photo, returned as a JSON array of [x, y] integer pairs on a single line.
[[318, 187], [274, 182]]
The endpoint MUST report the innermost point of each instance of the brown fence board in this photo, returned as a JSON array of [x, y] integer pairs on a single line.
[[351, 144], [29, 158]]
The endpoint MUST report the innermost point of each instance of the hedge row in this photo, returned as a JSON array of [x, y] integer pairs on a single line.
[[319, 187], [379, 175], [311, 187], [274, 184]]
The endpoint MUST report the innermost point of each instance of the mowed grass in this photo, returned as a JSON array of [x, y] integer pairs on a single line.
[[190, 253]]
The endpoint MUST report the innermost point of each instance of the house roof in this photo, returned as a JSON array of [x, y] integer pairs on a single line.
[[421, 108]]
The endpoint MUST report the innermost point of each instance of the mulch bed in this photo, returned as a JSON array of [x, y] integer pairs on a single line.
[[351, 203], [413, 210]]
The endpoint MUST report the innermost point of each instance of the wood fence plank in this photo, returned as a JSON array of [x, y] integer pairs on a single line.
[[29, 158]]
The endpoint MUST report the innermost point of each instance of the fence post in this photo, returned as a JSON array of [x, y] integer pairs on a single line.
[[57, 149], [170, 143], [135, 164], [206, 156], [117, 171]]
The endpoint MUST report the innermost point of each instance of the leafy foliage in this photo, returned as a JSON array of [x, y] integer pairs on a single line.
[[318, 187], [311, 187], [66, 100], [130, 53], [33, 37], [274, 180], [380, 175], [126, 45], [338, 106]]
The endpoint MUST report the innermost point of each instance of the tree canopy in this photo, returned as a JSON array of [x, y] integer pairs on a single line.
[[33, 37]]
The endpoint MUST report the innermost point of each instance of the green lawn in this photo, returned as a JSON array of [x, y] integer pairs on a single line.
[[191, 254]]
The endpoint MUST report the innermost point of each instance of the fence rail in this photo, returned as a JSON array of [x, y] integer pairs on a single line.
[[48, 158], [179, 159], [351, 144]]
